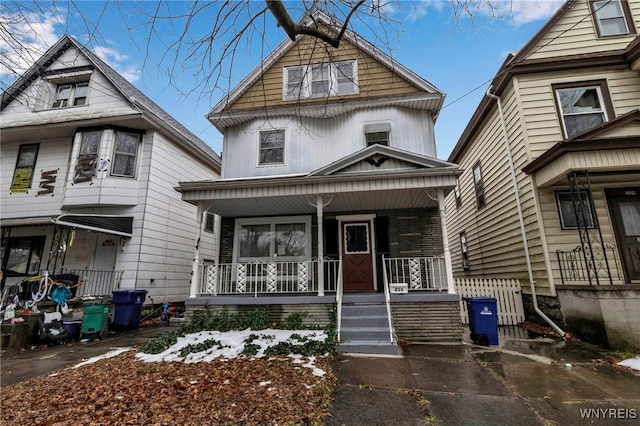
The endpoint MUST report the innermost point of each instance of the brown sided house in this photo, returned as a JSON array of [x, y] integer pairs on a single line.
[[564, 114], [331, 197]]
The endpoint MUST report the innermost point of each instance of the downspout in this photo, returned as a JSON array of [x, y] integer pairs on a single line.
[[521, 217]]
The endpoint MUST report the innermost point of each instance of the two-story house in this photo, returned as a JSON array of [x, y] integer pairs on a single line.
[[550, 192], [88, 168], [331, 192]]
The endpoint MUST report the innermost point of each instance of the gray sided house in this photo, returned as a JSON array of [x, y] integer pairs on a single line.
[[331, 196], [88, 168], [557, 139]]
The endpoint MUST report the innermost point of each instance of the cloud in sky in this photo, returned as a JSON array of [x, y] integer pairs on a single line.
[[32, 34], [521, 11]]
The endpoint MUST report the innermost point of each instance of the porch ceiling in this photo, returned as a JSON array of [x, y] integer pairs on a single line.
[[297, 195]]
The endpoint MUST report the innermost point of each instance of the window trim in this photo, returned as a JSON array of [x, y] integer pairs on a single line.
[[626, 15], [114, 153], [464, 250], [37, 242], [284, 146], [605, 99], [481, 197], [15, 189], [457, 195], [561, 218], [70, 101], [272, 221], [306, 85]]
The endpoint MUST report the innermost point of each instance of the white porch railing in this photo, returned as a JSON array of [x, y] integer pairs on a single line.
[[418, 273], [264, 278]]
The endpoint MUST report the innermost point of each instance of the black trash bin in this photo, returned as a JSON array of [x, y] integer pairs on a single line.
[[483, 320], [128, 309]]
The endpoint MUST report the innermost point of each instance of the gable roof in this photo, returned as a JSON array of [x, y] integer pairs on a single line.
[[376, 152], [222, 118], [518, 63], [136, 98]]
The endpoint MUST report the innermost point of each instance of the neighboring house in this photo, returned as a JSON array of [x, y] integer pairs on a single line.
[[329, 165], [565, 111], [89, 164]]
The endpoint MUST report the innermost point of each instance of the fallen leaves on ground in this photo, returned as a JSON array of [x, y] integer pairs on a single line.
[[545, 331], [126, 391]]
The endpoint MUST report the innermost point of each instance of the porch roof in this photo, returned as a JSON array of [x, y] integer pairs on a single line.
[[371, 190]]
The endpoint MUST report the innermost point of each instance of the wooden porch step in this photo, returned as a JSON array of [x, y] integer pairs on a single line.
[[365, 326], [369, 347]]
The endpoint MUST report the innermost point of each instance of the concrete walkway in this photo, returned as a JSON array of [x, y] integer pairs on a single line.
[[521, 382]]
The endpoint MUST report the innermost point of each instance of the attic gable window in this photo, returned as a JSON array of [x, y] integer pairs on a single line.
[[612, 18], [318, 80], [582, 107], [377, 133], [74, 94]]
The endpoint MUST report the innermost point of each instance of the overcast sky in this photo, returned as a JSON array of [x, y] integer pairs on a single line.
[[458, 58]]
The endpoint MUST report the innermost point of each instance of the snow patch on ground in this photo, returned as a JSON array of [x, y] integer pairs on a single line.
[[631, 363], [112, 353]]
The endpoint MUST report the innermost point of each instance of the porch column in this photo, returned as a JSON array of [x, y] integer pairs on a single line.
[[196, 255], [319, 206], [451, 288]]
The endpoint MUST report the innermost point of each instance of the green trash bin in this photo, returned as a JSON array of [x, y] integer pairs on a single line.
[[94, 317]]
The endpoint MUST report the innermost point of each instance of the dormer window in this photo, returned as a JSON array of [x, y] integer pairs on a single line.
[[318, 80], [74, 94], [612, 18]]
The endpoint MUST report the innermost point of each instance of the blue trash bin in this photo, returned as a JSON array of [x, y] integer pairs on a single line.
[[483, 320], [127, 309]]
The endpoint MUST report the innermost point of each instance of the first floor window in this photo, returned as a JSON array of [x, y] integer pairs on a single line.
[[25, 165], [464, 250], [271, 147], [24, 255], [125, 154], [209, 222], [574, 209], [272, 239]]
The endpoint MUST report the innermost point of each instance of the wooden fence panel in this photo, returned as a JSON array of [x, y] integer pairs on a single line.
[[508, 295]]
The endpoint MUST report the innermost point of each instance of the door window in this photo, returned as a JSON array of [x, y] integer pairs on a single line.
[[356, 237]]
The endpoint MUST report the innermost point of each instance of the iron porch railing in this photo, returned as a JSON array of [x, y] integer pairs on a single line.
[[590, 266]]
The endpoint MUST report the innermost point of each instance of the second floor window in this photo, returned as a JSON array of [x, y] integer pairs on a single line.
[[317, 80], [612, 17], [478, 182], [458, 195], [88, 157], [125, 154], [581, 107], [271, 147], [73, 94], [23, 173]]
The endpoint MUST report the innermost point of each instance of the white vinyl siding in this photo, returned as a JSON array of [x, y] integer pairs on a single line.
[[314, 143]]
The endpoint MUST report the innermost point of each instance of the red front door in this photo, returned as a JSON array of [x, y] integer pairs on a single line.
[[357, 258]]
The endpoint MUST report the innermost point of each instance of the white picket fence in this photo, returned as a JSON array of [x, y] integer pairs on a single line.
[[507, 293]]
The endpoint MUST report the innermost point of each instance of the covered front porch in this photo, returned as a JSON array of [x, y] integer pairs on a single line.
[[352, 228]]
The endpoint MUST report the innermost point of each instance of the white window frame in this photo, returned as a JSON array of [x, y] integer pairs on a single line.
[[374, 128], [116, 153], [563, 114], [600, 7], [284, 146], [306, 83], [71, 100], [272, 222]]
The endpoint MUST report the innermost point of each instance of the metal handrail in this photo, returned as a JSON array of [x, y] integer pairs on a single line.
[[387, 298]]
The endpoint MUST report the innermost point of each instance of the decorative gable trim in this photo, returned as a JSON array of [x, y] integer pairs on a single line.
[[376, 156]]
